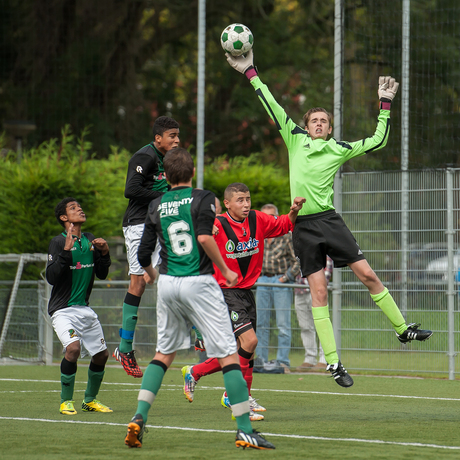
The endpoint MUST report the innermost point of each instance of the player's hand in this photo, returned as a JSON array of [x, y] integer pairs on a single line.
[[148, 279], [241, 63], [69, 239], [101, 245], [230, 277], [215, 230], [388, 87], [298, 203]]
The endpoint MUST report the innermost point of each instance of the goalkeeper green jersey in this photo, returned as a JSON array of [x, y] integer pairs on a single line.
[[314, 163]]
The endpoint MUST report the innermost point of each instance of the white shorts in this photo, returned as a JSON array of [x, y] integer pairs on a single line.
[[133, 235], [82, 324], [193, 300]]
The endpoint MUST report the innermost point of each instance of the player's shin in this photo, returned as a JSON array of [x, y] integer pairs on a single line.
[[238, 395], [95, 376], [387, 304], [151, 383], [130, 307], [68, 371], [325, 333]]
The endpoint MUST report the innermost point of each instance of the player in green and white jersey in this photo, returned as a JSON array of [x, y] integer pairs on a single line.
[[74, 258], [320, 231], [188, 294]]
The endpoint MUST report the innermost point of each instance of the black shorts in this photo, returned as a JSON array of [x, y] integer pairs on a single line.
[[242, 308], [322, 234]]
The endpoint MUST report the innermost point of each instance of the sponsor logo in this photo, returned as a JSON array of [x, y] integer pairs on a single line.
[[72, 333], [79, 266], [160, 176], [139, 169], [234, 316], [360, 252], [307, 146], [236, 326], [245, 245], [239, 255], [230, 246], [171, 208]]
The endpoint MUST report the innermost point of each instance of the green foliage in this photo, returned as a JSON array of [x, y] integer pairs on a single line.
[[268, 183], [58, 168]]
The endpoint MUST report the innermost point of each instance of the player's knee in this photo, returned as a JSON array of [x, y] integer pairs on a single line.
[[72, 351], [101, 358]]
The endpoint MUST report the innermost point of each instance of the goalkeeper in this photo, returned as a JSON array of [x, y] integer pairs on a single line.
[[320, 231]]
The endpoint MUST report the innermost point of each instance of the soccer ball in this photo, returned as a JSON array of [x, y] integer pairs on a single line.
[[237, 39]]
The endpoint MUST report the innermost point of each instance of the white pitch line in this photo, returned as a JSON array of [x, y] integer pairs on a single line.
[[276, 435], [172, 387]]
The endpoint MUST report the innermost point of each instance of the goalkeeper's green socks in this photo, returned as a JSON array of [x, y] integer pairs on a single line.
[[325, 333], [385, 301], [237, 392], [130, 307], [151, 383]]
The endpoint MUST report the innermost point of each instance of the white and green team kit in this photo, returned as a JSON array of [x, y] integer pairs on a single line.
[[314, 163]]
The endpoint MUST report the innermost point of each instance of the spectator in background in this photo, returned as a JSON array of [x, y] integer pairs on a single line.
[[279, 266], [303, 306]]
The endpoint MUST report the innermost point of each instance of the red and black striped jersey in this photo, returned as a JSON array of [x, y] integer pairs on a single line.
[[242, 244]]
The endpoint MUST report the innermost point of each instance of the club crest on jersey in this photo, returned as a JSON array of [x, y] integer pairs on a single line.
[[139, 169], [234, 316]]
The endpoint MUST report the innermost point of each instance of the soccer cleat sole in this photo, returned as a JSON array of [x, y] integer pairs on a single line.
[[131, 439], [188, 394], [245, 444]]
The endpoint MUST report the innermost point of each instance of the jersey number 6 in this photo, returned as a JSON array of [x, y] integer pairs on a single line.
[[181, 241]]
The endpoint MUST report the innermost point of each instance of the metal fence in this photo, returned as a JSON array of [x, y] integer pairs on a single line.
[[415, 255]]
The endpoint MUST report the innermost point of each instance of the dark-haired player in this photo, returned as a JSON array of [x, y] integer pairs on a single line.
[[320, 231], [74, 258], [240, 238], [145, 181], [182, 219]]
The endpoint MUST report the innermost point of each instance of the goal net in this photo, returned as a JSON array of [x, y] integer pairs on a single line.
[[26, 331]]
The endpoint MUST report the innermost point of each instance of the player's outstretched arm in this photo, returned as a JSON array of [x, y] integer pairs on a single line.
[[295, 208], [209, 245], [388, 87], [243, 64]]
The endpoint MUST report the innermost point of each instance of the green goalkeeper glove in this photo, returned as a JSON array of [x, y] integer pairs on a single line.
[[243, 64], [388, 87]]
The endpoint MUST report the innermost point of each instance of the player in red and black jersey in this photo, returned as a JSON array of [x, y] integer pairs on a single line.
[[240, 235]]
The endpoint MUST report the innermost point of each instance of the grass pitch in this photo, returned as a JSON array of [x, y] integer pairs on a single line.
[[308, 417]]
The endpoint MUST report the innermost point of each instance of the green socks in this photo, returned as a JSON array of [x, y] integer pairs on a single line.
[[67, 386], [386, 303], [128, 326], [325, 333], [94, 384], [237, 392], [151, 383]]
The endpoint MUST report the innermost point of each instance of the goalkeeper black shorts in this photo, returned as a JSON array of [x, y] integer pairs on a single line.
[[318, 235]]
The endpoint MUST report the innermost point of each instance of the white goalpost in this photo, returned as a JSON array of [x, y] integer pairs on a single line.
[[26, 330]]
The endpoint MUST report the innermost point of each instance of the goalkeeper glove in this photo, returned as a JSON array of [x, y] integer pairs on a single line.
[[243, 64], [199, 343], [388, 87]]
